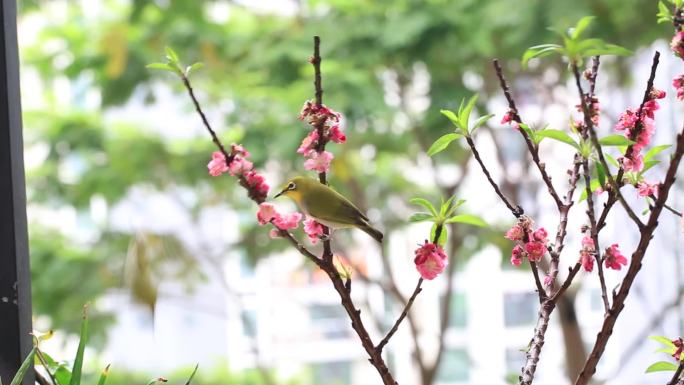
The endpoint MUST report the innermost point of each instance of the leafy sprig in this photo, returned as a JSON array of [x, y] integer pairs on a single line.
[[174, 65], [574, 47], [445, 215]]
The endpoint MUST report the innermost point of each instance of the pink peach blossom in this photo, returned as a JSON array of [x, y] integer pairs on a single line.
[[217, 165], [319, 161], [430, 260], [266, 212], [313, 230], [535, 251], [614, 259]]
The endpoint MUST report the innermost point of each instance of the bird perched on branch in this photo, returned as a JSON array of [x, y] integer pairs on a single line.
[[326, 205]]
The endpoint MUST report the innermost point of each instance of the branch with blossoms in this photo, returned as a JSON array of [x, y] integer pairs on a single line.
[[325, 123], [592, 164]]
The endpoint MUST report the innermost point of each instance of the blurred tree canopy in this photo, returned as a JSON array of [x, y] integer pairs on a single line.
[[389, 66]]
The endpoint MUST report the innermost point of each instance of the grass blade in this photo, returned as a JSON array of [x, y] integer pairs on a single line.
[[77, 369]]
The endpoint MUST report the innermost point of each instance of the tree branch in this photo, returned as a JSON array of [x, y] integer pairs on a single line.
[[534, 150], [615, 188], [394, 328], [612, 198], [517, 211], [677, 374], [634, 266], [594, 233]]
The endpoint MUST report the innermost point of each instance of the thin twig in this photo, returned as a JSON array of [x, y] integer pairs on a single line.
[[537, 281], [615, 188], [563, 223], [394, 328], [612, 198], [677, 374], [594, 233], [533, 149], [517, 211], [320, 127]]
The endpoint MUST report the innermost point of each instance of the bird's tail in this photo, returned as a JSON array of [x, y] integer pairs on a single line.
[[376, 234]]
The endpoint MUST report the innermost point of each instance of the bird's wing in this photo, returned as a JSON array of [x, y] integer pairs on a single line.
[[339, 210]]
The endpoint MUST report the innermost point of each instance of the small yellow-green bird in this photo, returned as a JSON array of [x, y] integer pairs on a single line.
[[326, 205]]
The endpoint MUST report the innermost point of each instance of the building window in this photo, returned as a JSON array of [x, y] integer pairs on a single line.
[[520, 309], [515, 360], [249, 323], [595, 300], [331, 373], [330, 321], [458, 311], [454, 366]]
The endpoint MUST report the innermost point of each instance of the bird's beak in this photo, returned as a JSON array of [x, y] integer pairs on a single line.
[[279, 194]]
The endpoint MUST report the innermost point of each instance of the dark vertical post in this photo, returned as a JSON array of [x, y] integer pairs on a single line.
[[15, 288]]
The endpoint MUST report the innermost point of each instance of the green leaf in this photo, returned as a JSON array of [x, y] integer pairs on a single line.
[[536, 52], [450, 114], [612, 160], [661, 366], [467, 219], [601, 173], [593, 185], [527, 130], [648, 165], [464, 115], [442, 236], [663, 14], [558, 135], [615, 140], [655, 151], [76, 370], [103, 376], [454, 207], [581, 25], [663, 340], [425, 203], [608, 49], [192, 375], [161, 66], [480, 121], [25, 366], [442, 143], [671, 350], [193, 67], [171, 55], [420, 217]]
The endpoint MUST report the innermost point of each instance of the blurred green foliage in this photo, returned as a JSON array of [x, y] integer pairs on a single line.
[[257, 75]]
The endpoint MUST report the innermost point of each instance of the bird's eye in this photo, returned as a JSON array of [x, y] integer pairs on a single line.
[[291, 186]]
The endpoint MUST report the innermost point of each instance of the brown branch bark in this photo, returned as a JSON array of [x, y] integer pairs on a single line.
[[677, 374], [325, 263], [533, 149], [517, 211], [403, 314], [634, 267], [594, 233], [615, 187]]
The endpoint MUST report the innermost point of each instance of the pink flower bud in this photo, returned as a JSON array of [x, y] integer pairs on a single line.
[[540, 235]]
